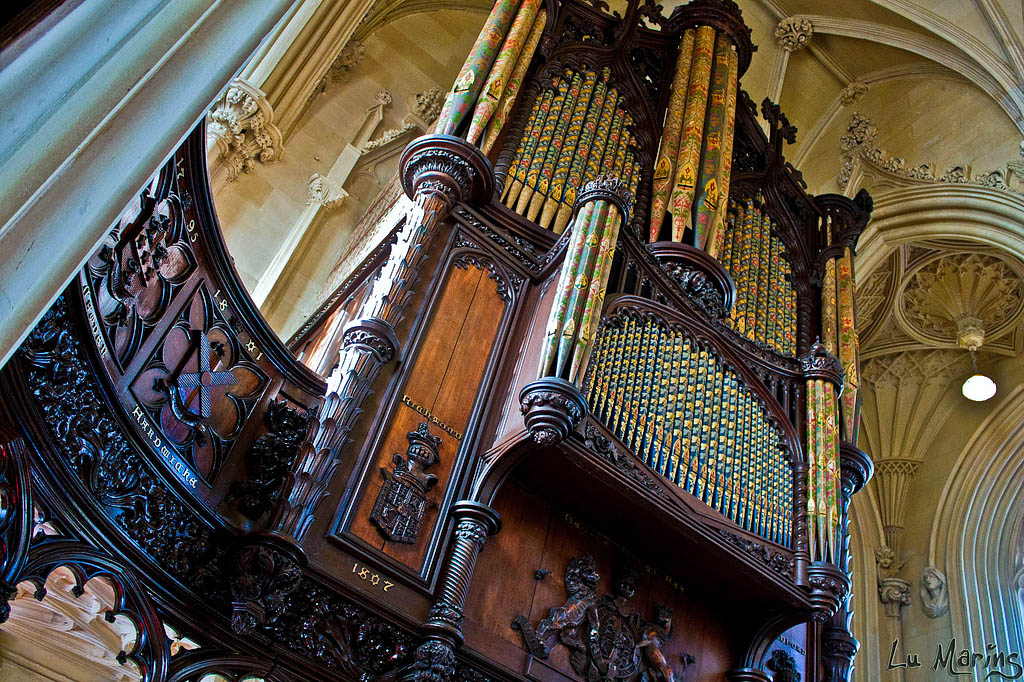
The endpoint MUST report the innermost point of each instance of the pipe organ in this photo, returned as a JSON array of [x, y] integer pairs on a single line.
[[612, 339]]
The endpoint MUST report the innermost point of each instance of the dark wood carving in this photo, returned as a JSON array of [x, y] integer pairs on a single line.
[[608, 638], [270, 459], [403, 498]]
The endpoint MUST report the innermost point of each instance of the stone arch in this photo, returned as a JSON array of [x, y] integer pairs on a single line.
[[976, 534]]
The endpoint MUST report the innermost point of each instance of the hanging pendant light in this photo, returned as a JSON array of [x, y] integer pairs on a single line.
[[977, 387]]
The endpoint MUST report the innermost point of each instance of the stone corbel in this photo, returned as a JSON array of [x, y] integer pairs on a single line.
[[325, 192], [241, 129]]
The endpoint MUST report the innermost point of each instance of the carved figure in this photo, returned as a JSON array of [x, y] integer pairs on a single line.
[[403, 500], [784, 667], [581, 578], [608, 638], [934, 592]]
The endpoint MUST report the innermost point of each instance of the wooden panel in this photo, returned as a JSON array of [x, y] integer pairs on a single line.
[[535, 536], [443, 381]]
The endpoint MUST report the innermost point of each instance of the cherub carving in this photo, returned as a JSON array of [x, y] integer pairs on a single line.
[[581, 578]]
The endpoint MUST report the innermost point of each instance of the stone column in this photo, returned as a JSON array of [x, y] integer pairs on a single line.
[[894, 593], [435, 656], [119, 99], [437, 172]]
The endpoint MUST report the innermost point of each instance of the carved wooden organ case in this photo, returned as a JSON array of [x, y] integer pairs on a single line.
[[588, 413]]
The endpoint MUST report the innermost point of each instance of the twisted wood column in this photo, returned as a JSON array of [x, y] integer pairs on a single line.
[[438, 171], [435, 657]]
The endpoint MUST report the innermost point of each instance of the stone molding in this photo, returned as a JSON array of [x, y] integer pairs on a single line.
[[240, 126]]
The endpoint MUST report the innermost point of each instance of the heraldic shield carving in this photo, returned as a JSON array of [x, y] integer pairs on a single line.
[[608, 638], [403, 499]]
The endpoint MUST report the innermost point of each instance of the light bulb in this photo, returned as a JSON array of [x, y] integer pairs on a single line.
[[979, 388]]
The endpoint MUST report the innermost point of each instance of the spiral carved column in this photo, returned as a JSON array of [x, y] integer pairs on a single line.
[[435, 657], [438, 171]]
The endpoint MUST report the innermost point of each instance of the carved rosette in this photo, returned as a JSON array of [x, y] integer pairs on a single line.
[[701, 277], [818, 363], [448, 166], [267, 572], [611, 189], [794, 33], [552, 408], [839, 648], [829, 588]]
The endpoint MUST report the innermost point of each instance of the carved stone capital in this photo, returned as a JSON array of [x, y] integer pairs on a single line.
[[374, 335], [829, 589], [818, 363], [609, 188], [551, 408], [794, 33], [894, 593], [241, 127], [448, 166]]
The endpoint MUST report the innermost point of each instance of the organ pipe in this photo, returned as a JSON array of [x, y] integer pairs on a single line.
[[494, 87], [568, 338]]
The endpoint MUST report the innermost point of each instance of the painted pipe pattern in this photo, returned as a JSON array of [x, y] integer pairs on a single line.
[[582, 281], [764, 309], [691, 418], [515, 82], [582, 133], [494, 87], [669, 148], [823, 512], [470, 81]]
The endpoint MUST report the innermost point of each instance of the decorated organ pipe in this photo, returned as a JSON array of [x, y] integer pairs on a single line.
[[694, 161], [470, 81], [689, 416], [824, 381], [579, 295], [765, 306], [577, 129]]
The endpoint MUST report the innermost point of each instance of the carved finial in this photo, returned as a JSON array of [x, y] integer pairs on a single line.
[[818, 363], [794, 33], [611, 188]]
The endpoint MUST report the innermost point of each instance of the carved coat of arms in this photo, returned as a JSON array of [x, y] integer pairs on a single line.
[[608, 639], [403, 498]]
